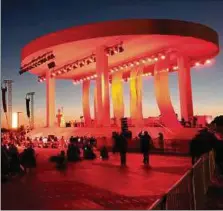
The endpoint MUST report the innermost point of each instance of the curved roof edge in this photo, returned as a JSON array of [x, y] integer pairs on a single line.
[[122, 27]]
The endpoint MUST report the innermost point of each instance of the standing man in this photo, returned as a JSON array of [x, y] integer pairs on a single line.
[[145, 141], [123, 145]]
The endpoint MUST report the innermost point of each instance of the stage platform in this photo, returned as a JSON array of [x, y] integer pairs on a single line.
[[94, 184], [169, 133], [175, 141]]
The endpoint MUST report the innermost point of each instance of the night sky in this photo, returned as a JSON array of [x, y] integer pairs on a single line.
[[25, 20]]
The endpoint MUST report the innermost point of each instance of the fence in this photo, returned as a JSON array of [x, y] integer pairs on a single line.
[[190, 191]]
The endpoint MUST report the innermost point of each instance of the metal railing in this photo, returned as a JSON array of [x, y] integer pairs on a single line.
[[190, 191]]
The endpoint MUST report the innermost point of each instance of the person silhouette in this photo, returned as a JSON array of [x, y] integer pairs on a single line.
[[122, 146], [145, 141]]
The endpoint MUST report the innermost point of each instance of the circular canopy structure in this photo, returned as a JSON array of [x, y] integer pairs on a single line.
[[116, 50], [140, 40]]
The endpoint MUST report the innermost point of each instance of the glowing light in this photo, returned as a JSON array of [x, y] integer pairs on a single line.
[[156, 59], [53, 74], [59, 72], [208, 61], [121, 67], [137, 63], [163, 57], [112, 71], [143, 61], [14, 120], [149, 60], [197, 64], [115, 50], [95, 75], [88, 78], [91, 59], [131, 64], [175, 67]]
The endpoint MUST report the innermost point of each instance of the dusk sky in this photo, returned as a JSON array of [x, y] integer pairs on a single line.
[[25, 20]]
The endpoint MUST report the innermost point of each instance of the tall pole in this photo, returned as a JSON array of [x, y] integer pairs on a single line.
[[8, 83], [31, 94], [19, 112]]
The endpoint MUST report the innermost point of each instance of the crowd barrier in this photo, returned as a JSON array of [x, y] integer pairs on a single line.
[[190, 191]]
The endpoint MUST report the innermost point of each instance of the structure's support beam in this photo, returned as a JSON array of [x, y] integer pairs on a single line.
[[102, 84], [50, 100], [184, 78], [117, 96], [136, 96], [161, 83], [95, 106], [86, 103]]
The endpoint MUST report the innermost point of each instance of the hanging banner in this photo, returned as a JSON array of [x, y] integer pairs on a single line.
[[4, 90], [37, 62]]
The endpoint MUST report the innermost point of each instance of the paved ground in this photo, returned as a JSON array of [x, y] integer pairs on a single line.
[[94, 184]]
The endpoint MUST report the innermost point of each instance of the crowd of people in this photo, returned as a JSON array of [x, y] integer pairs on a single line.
[[77, 148], [16, 163], [191, 123], [121, 145]]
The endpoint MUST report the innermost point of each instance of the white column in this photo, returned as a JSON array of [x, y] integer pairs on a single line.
[[85, 103], [102, 84], [185, 90], [50, 100]]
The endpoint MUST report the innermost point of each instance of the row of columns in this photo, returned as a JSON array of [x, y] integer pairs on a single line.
[[101, 93]]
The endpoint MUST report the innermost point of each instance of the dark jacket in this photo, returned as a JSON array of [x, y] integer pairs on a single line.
[[145, 141], [122, 144]]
